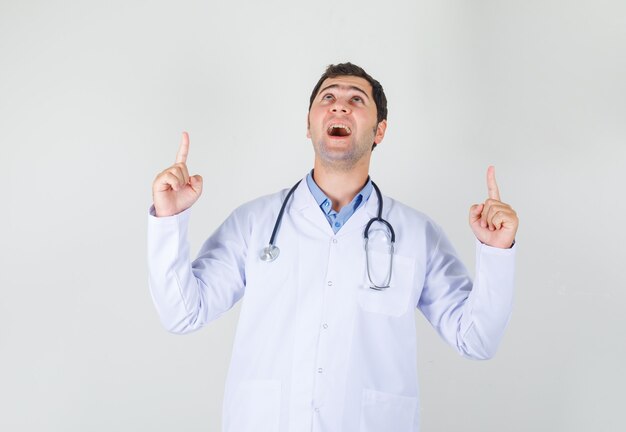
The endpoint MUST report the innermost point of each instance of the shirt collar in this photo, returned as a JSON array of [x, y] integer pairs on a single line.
[[326, 204]]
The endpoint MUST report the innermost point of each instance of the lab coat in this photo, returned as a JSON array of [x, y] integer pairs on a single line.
[[316, 349]]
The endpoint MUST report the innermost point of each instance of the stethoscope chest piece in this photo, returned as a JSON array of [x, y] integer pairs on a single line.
[[270, 253]]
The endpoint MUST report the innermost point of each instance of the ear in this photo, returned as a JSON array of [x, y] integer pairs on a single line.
[[380, 132], [308, 126]]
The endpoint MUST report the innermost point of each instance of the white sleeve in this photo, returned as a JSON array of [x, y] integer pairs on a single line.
[[469, 316], [188, 295]]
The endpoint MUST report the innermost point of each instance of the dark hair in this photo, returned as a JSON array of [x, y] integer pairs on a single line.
[[349, 69]]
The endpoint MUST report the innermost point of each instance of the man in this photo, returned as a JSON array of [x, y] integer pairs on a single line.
[[326, 336]]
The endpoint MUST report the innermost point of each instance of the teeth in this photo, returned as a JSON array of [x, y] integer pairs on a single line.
[[339, 126]]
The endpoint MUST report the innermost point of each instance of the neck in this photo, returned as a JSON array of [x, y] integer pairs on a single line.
[[341, 186]]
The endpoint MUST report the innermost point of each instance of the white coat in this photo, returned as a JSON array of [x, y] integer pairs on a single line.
[[316, 349]]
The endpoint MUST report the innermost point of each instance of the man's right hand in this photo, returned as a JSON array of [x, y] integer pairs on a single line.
[[173, 190]]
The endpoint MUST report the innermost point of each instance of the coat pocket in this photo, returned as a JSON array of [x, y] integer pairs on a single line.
[[255, 407], [382, 412], [395, 299]]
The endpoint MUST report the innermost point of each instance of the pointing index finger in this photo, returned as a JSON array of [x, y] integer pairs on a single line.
[[492, 186], [183, 149]]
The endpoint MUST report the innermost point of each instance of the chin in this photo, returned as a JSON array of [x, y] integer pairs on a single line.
[[337, 150]]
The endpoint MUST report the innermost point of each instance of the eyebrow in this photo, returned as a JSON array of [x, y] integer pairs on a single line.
[[351, 87]]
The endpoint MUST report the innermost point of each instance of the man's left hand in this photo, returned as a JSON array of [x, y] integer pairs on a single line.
[[494, 223]]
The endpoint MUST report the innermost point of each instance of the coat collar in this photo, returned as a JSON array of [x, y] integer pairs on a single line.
[[304, 203]]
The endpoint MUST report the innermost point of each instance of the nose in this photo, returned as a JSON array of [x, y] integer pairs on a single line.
[[338, 106]]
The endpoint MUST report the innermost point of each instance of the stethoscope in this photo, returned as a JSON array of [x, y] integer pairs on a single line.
[[271, 251]]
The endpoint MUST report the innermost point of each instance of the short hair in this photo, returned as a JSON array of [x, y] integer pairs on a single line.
[[349, 69]]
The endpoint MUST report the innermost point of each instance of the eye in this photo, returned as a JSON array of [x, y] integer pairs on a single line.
[[327, 96], [357, 98]]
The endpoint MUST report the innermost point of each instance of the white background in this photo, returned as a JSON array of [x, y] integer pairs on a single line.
[[94, 95]]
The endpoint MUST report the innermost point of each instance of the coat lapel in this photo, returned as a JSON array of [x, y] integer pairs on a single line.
[[304, 203]]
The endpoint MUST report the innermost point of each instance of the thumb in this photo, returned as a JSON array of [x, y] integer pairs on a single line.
[[475, 212], [196, 183]]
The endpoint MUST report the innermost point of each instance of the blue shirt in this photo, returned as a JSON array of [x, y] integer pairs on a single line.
[[338, 219]]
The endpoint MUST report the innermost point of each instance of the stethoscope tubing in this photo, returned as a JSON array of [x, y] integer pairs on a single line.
[[271, 251], [379, 218], [279, 219]]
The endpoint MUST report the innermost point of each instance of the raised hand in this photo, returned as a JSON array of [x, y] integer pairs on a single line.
[[173, 190], [494, 223]]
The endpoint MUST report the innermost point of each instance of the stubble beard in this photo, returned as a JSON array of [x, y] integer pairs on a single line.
[[344, 160]]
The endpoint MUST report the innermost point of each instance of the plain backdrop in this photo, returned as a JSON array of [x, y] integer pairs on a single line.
[[94, 96]]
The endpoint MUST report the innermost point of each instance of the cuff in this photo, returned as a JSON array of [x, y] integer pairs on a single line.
[[484, 248], [183, 215]]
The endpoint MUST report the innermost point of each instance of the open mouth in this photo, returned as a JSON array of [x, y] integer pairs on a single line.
[[339, 130]]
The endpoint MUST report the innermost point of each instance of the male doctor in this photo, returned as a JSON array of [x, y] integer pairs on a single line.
[[326, 337]]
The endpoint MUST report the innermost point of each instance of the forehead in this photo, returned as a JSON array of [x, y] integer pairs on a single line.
[[346, 82]]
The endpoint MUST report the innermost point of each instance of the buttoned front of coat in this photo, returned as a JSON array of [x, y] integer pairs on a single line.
[[316, 349]]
